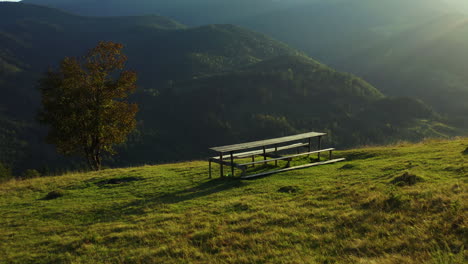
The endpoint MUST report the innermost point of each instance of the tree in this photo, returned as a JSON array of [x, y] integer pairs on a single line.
[[84, 103]]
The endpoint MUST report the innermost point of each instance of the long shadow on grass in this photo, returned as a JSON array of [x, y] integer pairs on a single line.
[[359, 156], [204, 189], [201, 190], [148, 201]]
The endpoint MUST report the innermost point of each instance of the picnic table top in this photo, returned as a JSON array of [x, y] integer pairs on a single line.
[[266, 142]]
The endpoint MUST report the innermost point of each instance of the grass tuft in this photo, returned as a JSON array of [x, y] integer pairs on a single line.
[[446, 255], [289, 189], [406, 180], [465, 152], [348, 167], [54, 195]]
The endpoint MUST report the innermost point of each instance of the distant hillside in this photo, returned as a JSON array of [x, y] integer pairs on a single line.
[[427, 61], [200, 12], [277, 97], [396, 204], [214, 84], [34, 38], [406, 48], [223, 11]]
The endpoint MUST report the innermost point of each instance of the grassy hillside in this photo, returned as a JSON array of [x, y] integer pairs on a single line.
[[358, 211]]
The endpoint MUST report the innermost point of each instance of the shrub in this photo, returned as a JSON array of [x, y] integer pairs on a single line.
[[5, 172], [27, 174], [406, 180]]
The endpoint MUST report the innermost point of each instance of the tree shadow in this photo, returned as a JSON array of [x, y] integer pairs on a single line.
[[204, 189], [359, 156]]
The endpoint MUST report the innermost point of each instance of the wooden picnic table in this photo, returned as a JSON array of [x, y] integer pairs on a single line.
[[268, 148]]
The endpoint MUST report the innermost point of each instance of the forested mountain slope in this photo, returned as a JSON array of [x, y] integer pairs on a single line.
[[197, 87], [199, 12], [406, 48], [428, 61]]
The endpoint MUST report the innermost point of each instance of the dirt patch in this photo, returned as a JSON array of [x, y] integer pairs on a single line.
[[239, 207], [406, 180], [348, 167], [359, 156], [116, 181], [289, 189]]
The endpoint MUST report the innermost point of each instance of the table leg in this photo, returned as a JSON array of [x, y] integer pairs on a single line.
[[276, 154], [319, 147], [232, 164], [221, 164]]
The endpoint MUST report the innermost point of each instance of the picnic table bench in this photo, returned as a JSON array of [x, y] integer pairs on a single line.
[[270, 149]]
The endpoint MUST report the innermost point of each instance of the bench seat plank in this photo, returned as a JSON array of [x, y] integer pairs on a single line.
[[258, 152], [286, 157], [228, 163], [292, 168]]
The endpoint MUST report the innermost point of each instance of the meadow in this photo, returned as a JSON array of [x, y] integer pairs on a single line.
[[404, 203]]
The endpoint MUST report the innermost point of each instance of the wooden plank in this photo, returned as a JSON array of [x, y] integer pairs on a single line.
[[266, 142], [286, 157], [292, 168], [269, 150], [227, 163]]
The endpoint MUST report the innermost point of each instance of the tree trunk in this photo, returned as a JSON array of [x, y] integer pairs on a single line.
[[94, 161], [97, 161]]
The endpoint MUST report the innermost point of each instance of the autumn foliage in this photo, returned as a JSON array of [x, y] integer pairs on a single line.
[[84, 103]]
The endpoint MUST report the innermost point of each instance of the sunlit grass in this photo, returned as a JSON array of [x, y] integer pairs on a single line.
[[348, 212]]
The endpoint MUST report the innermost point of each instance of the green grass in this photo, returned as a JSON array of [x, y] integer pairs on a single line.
[[349, 212]]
